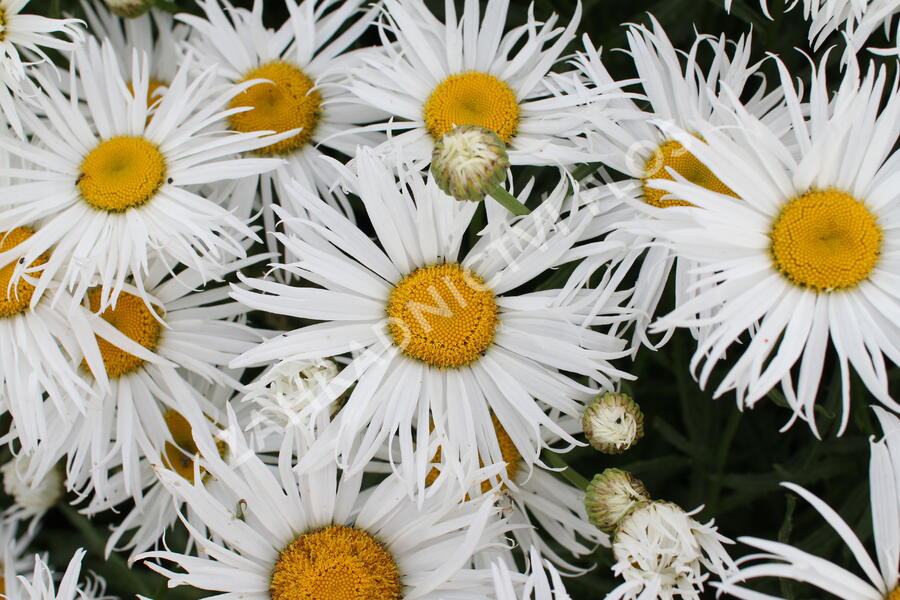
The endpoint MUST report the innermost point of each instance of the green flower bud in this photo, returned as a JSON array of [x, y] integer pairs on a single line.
[[613, 423], [468, 161], [611, 495]]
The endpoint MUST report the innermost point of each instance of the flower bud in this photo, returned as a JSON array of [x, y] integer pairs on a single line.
[[468, 161], [128, 9], [611, 495], [613, 423]]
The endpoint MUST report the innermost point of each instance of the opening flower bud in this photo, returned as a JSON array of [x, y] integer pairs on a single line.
[[611, 495], [468, 162], [128, 9], [613, 423]]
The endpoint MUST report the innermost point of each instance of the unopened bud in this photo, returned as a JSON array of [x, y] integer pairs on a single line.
[[469, 161], [128, 9], [613, 423], [611, 495]]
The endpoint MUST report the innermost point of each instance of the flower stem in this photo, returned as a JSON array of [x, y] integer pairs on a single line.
[[571, 475], [508, 201]]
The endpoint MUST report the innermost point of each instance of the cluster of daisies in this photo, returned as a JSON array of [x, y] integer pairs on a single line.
[[443, 331]]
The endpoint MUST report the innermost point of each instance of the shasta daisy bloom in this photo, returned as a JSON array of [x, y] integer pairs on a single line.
[[803, 251], [44, 344], [438, 341], [32, 497], [143, 525], [299, 72], [543, 583], [785, 561], [318, 536], [112, 188], [533, 497], [42, 586], [27, 34], [154, 34], [150, 341], [432, 76], [680, 92], [662, 552]]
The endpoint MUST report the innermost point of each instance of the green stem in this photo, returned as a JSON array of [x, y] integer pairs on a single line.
[[734, 419], [96, 545], [571, 475], [508, 201]]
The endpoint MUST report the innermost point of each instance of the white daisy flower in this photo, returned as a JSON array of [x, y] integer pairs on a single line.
[[143, 526], [300, 69], [428, 327], [148, 348], [535, 498], [111, 189], [785, 561], [432, 76], [681, 93], [317, 535], [662, 552], [804, 250], [27, 34], [154, 34], [41, 585], [543, 583], [45, 342], [32, 497]]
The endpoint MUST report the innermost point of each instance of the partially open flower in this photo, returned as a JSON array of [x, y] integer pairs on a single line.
[[32, 497], [661, 548], [613, 423], [468, 162], [128, 9], [611, 495]]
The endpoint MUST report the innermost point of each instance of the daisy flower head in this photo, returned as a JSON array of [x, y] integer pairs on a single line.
[[152, 342], [543, 583], [154, 34], [662, 552], [785, 561], [144, 523], [431, 76], [32, 497], [440, 343], [23, 36], [298, 72], [680, 91], [318, 535], [42, 583], [107, 184], [803, 251]]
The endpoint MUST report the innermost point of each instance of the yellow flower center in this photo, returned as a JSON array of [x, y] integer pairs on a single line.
[[508, 451], [4, 23], [894, 594], [15, 299], [825, 240], [443, 315], [154, 92], [336, 563], [672, 154], [286, 103], [121, 173], [180, 456], [472, 98], [132, 317]]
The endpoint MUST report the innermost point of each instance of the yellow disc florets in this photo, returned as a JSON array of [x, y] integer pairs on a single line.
[[336, 563], [4, 25], [16, 298], [825, 240], [180, 455], [472, 98], [132, 317], [287, 101], [155, 89], [672, 155], [121, 173], [443, 315], [894, 594]]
